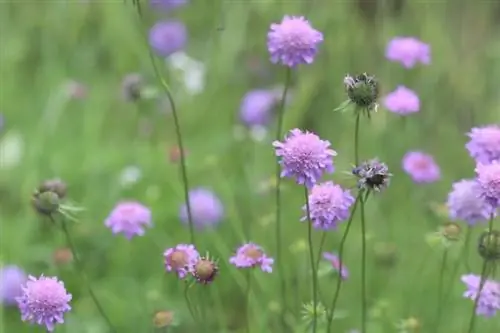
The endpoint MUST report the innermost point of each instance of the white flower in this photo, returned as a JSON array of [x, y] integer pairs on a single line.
[[11, 150]]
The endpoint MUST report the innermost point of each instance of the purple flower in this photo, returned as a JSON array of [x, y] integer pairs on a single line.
[[488, 177], [206, 208], [421, 167], [329, 205], [372, 175], [465, 203], [408, 51], [402, 101], [252, 255], [305, 157], [129, 218], [489, 301], [294, 41], [484, 144], [167, 5], [336, 264], [11, 280], [44, 302], [257, 106], [167, 37], [181, 259]]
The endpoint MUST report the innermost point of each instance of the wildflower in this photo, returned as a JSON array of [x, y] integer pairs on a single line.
[[167, 5], [205, 270], [489, 245], [44, 302], [488, 177], [130, 175], [421, 167], [12, 147], [55, 185], [252, 255], [293, 41], [447, 235], [129, 218], [181, 259], [464, 203], [257, 106], [11, 280], [132, 84], [372, 175], [489, 299], [206, 208], [167, 37], [408, 51], [329, 205], [336, 264], [305, 157], [484, 144], [363, 91], [62, 256], [164, 319], [402, 101]]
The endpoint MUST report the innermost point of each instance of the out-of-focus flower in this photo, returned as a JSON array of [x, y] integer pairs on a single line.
[[489, 300], [55, 185], [372, 175], [252, 255], [488, 177], [167, 5], [44, 302], [465, 203], [76, 90], [293, 41], [363, 91], [130, 175], [409, 325], [205, 270], [167, 37], [164, 319], [489, 245], [206, 208], [484, 144], [402, 101], [421, 167], [132, 85], [11, 280], [304, 157], [11, 150], [192, 71], [257, 106], [408, 51], [62, 256], [336, 264], [129, 218], [181, 259], [174, 154]]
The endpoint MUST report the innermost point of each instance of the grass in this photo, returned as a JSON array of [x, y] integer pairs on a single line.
[[88, 142]]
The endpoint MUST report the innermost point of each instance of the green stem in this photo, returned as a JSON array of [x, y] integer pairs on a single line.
[[247, 300], [314, 271], [356, 138], [363, 268], [440, 290], [321, 244], [188, 302]]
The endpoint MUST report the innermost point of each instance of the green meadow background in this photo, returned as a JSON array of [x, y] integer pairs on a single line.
[[89, 141]]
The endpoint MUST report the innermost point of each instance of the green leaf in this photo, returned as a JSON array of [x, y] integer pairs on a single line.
[[343, 106]]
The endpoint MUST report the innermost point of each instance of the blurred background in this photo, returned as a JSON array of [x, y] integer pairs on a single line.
[[70, 109]]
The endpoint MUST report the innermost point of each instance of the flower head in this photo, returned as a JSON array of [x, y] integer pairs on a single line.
[[402, 101], [206, 208], [55, 185], [488, 177], [167, 37], [421, 167], [408, 51], [305, 157], [484, 144], [11, 280], [132, 85], [257, 106], [489, 300], [205, 270], [181, 259], [372, 175], [336, 264], [44, 302], [129, 218], [329, 205], [363, 90], [167, 5], [465, 203], [293, 41], [252, 255]]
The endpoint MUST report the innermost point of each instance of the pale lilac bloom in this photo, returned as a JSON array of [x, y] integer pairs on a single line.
[[402, 101], [167, 5], [336, 264], [167, 37], [488, 177], [44, 302], [257, 107], [408, 51], [206, 208], [484, 143], [465, 203], [252, 255], [489, 300], [421, 167], [181, 259], [129, 218], [329, 205], [293, 41], [11, 280], [304, 157]]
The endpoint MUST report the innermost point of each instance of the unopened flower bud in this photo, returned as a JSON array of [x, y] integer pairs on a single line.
[[363, 90], [163, 319], [489, 245], [54, 185], [46, 203]]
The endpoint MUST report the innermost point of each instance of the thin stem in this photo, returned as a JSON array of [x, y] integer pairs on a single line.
[[278, 235], [188, 302], [178, 132], [311, 254], [440, 290], [356, 138], [321, 244], [247, 300], [463, 255], [363, 268]]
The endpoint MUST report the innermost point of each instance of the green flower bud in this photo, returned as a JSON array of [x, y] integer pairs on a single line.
[[489, 245], [363, 90], [46, 203]]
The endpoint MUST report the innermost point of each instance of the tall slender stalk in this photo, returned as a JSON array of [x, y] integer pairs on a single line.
[[440, 290], [462, 258], [364, 307], [313, 268], [247, 299], [188, 302]]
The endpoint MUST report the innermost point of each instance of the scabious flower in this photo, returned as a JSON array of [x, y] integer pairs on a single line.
[[421, 167], [488, 177], [206, 208], [372, 175], [181, 259], [329, 205], [363, 91], [44, 302], [252, 255], [293, 41], [11, 280], [336, 264], [465, 203], [408, 51], [402, 101], [484, 144], [257, 106], [205, 270], [167, 37], [304, 157], [489, 300], [167, 5], [129, 218]]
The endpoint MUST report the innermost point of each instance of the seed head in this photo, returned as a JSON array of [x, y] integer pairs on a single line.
[[363, 90], [489, 245], [372, 175], [205, 270], [163, 319]]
